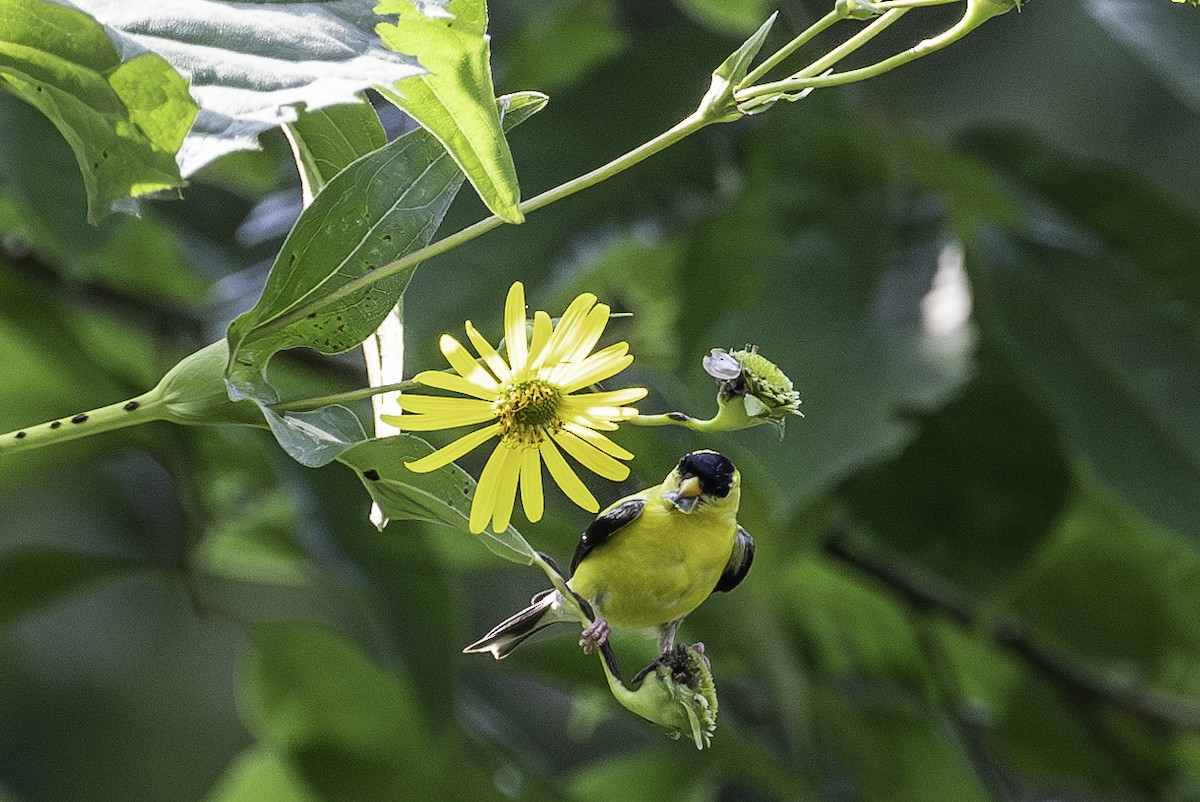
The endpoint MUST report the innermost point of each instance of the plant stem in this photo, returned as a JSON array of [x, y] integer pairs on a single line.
[[672, 419], [923, 592], [791, 47], [102, 419], [950, 704], [346, 397], [684, 128], [876, 27], [810, 77]]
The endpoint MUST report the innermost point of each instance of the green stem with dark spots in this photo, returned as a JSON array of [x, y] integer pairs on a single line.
[[95, 421]]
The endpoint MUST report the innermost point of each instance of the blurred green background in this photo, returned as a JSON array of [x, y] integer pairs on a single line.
[[977, 574]]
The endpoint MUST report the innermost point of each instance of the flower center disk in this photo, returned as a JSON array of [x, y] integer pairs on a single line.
[[528, 410]]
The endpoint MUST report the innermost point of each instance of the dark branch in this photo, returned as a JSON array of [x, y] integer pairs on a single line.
[[924, 592]]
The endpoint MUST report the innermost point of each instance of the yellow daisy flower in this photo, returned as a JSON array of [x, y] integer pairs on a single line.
[[534, 404]]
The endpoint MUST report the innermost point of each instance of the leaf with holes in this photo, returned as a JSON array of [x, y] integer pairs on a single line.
[[322, 291], [124, 119], [325, 141], [441, 497]]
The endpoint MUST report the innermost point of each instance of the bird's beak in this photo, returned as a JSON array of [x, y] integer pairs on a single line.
[[686, 495]]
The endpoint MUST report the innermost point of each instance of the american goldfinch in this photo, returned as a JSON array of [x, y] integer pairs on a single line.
[[648, 560]]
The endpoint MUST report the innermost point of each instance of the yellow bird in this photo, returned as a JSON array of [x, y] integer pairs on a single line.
[[648, 560]]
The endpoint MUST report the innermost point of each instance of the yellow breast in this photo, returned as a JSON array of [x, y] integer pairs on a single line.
[[658, 568]]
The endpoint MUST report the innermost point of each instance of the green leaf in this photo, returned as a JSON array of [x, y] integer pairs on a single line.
[[1157, 232], [454, 101], [259, 774], [352, 728], [1119, 374], [315, 437], [1163, 35], [719, 102], [1144, 623], [734, 68], [441, 497], [734, 17], [34, 577], [637, 776], [975, 494], [249, 516], [252, 64], [306, 684], [585, 33], [125, 121], [318, 294], [325, 141], [135, 255], [892, 748]]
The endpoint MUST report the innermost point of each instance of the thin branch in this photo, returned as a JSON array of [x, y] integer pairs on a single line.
[[925, 592], [160, 314], [949, 698]]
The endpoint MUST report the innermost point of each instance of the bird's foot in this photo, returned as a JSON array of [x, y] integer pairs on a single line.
[[676, 659], [594, 636]]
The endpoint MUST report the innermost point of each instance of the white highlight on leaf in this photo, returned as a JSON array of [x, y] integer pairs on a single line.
[[251, 64], [946, 308], [309, 429]]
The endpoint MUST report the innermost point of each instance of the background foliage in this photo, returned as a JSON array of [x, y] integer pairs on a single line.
[[977, 573]]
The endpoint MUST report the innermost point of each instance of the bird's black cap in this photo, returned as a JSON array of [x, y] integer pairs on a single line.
[[714, 471]]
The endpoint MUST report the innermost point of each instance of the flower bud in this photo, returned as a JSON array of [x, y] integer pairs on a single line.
[[751, 389], [194, 391], [678, 694]]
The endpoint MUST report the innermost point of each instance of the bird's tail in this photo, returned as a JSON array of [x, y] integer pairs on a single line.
[[544, 609]]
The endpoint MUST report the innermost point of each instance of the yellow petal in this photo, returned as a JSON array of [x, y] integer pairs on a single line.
[[626, 395], [454, 383], [566, 479], [514, 328], [442, 405], [576, 313], [484, 501], [532, 498], [600, 424], [598, 440], [542, 328], [461, 360], [596, 368], [506, 489], [587, 334], [591, 458], [447, 454], [434, 423], [603, 414], [490, 355]]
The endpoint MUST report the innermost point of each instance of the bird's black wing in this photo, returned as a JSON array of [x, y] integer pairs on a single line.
[[604, 527], [739, 562]]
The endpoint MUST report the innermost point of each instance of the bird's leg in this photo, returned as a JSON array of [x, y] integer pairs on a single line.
[[666, 645], [594, 636], [666, 636]]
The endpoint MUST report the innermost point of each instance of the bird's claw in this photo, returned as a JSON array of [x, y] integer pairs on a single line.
[[594, 636], [645, 672], [673, 657]]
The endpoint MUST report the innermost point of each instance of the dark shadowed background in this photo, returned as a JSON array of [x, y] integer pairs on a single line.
[[978, 569]]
